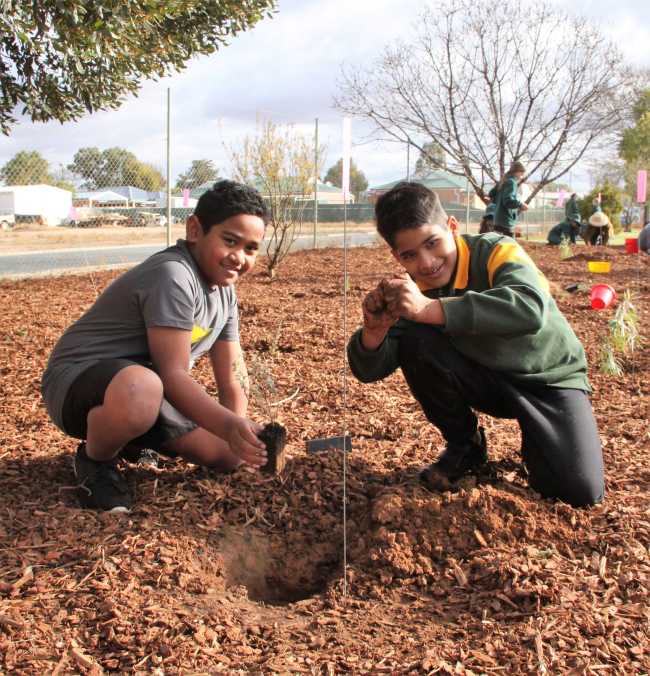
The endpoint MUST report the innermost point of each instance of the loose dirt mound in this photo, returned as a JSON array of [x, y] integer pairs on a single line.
[[244, 573]]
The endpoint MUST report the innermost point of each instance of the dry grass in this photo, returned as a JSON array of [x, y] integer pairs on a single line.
[[43, 238]]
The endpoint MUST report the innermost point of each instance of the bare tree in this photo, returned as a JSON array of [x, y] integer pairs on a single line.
[[541, 86], [279, 162]]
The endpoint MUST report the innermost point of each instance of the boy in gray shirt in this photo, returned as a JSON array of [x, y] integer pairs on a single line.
[[120, 375]]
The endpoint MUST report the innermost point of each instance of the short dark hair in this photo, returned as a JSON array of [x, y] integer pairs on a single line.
[[407, 205], [226, 199]]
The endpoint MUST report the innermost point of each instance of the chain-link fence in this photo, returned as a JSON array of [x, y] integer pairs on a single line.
[[107, 207]]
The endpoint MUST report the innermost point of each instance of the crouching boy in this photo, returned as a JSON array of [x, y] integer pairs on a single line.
[[473, 327], [120, 375]]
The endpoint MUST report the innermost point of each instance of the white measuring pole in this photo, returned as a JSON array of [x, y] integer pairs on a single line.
[[345, 185], [169, 169]]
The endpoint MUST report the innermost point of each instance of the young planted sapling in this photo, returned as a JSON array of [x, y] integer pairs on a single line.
[[565, 249], [259, 384]]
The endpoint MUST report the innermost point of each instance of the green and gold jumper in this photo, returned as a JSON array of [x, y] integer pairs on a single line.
[[506, 350]]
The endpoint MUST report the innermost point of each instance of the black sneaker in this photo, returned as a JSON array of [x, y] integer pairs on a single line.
[[101, 486], [456, 461], [144, 457]]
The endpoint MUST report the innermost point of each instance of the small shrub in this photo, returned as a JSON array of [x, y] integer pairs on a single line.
[[623, 336], [565, 249]]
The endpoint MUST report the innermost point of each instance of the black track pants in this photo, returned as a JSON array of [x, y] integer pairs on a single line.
[[560, 444]]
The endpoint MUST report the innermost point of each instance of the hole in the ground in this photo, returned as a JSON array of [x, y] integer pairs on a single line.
[[275, 574]]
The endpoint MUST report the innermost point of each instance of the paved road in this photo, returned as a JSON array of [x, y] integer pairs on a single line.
[[62, 260]]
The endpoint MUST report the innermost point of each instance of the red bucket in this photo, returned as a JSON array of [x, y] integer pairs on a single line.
[[631, 245], [602, 296]]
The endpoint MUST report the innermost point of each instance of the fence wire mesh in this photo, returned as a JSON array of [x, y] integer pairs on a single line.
[[106, 207]]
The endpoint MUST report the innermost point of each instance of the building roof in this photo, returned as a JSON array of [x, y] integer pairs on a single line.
[[100, 196], [31, 186], [258, 185], [132, 193], [434, 180]]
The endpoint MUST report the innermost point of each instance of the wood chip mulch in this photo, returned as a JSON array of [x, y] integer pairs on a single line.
[[243, 573]]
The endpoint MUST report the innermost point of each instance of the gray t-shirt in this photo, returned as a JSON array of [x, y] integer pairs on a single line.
[[167, 289]]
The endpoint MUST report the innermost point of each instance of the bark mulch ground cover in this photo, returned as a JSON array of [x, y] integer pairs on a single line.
[[243, 573]]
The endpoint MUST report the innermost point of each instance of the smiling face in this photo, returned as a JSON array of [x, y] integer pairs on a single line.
[[428, 253], [228, 250]]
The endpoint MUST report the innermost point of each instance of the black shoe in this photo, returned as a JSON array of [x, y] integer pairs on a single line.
[[101, 486], [457, 460], [144, 457]]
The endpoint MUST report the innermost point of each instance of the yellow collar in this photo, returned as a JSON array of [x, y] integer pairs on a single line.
[[462, 266]]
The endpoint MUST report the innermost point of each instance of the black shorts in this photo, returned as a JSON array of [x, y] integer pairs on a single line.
[[87, 391]]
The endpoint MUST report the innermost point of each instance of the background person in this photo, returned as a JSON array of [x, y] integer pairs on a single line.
[[644, 239], [564, 230], [507, 203], [596, 230]]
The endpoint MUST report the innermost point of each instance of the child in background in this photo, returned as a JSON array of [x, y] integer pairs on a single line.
[[473, 327], [507, 203], [487, 222]]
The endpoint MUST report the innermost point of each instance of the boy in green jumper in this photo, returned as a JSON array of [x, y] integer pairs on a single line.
[[472, 325], [507, 204], [572, 212]]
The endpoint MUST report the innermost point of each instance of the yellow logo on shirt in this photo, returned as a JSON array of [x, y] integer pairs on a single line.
[[199, 333]]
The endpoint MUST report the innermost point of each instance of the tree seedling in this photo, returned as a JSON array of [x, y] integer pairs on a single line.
[[565, 249], [260, 385]]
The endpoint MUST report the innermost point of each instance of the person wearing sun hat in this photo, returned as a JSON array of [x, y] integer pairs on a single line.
[[597, 230], [507, 204]]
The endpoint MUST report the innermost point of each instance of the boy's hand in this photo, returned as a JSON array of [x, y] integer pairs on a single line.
[[244, 443], [403, 297], [375, 311], [376, 319], [524, 207]]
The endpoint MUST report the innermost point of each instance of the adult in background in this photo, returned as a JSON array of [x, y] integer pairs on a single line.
[[507, 203], [597, 229]]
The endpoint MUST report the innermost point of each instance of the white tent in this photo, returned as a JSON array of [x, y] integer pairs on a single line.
[[45, 202], [99, 197]]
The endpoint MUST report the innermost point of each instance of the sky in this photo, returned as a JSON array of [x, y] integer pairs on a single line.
[[286, 69]]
